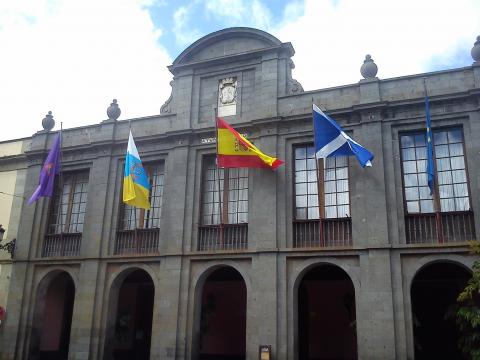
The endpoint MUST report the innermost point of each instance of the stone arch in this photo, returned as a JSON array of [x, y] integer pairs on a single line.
[[54, 294], [44, 276], [294, 286], [199, 281], [411, 266], [114, 286], [309, 264], [463, 262], [267, 39], [432, 292], [208, 268]]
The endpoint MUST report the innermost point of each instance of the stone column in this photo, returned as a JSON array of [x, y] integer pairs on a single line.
[[266, 88], [183, 94], [97, 226], [375, 320], [82, 332], [95, 229], [167, 298], [262, 310], [262, 196], [172, 223], [369, 209]]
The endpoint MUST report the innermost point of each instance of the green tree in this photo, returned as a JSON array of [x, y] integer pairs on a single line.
[[467, 314]]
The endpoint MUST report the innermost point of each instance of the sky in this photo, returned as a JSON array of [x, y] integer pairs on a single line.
[[72, 57]]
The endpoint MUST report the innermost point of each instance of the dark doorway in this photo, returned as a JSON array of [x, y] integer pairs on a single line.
[[326, 315], [54, 309], [223, 316], [434, 291], [133, 320]]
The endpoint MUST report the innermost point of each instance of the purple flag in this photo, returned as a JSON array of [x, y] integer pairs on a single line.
[[50, 168]]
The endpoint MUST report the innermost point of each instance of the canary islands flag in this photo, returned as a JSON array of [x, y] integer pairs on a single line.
[[136, 186], [235, 151]]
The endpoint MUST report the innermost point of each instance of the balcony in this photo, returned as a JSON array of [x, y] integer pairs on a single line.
[[455, 227], [64, 244], [137, 242], [336, 232], [223, 237]]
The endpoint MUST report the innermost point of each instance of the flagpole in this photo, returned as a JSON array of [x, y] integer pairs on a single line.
[[436, 194], [319, 171], [135, 224], [220, 207], [60, 180]]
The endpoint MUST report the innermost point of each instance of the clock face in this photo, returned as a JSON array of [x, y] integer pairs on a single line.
[[227, 94]]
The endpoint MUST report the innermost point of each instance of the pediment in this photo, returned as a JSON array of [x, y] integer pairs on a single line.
[[226, 42]]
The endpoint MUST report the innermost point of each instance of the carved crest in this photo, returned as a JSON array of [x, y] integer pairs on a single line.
[[228, 91], [239, 146]]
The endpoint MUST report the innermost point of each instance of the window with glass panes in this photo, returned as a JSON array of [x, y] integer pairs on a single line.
[[451, 173], [233, 186], [337, 198], [146, 219], [69, 203]]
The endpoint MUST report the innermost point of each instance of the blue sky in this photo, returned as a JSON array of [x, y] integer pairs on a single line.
[[201, 20], [74, 56]]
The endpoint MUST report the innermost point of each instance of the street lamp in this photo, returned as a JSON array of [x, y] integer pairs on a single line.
[[9, 246]]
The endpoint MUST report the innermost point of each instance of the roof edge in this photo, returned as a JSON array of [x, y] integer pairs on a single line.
[[225, 34]]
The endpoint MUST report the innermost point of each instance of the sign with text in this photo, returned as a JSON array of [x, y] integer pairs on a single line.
[[265, 352]]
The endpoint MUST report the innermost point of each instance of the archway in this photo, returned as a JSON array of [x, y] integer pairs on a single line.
[[223, 311], [326, 315], [131, 311], [433, 293], [53, 317]]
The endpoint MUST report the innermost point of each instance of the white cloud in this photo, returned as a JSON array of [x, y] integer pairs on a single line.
[[227, 10], [239, 12], [185, 33], [74, 57], [331, 39], [293, 10], [260, 15]]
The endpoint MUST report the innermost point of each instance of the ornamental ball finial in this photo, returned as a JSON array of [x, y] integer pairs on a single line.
[[48, 123], [113, 111], [369, 68], [476, 50]]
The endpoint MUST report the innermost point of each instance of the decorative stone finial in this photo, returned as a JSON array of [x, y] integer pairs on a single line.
[[113, 111], [48, 123], [476, 50], [369, 68]]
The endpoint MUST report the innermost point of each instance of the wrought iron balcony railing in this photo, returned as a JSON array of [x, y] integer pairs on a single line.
[[223, 237], [64, 244], [137, 242], [454, 226], [336, 232]]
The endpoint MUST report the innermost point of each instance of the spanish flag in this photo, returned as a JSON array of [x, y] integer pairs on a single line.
[[136, 187], [235, 151]]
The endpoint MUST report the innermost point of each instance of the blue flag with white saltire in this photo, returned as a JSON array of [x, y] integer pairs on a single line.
[[430, 164], [331, 140]]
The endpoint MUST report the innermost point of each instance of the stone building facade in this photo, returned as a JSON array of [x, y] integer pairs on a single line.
[[94, 279], [12, 182]]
